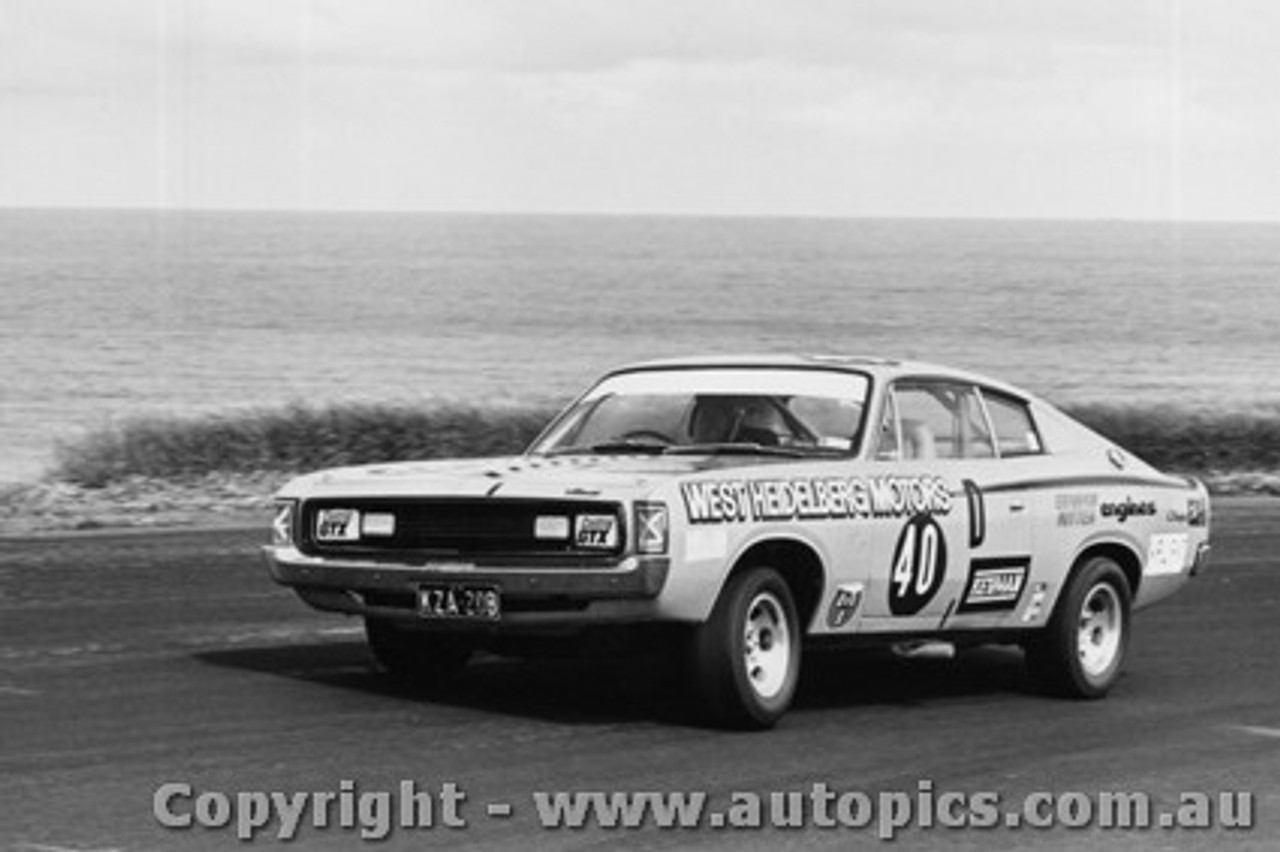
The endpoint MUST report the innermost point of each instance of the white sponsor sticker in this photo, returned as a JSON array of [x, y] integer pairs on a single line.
[[1035, 606], [379, 523], [1167, 554], [705, 543], [551, 527]]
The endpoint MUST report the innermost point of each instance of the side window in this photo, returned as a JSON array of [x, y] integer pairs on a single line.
[[927, 417], [1016, 433], [940, 420]]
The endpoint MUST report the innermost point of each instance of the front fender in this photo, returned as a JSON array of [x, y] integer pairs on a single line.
[[703, 557]]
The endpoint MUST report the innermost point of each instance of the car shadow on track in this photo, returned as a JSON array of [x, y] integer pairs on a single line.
[[564, 690], [605, 691], [842, 678]]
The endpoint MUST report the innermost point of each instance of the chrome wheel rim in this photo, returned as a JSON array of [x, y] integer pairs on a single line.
[[766, 645], [1101, 628]]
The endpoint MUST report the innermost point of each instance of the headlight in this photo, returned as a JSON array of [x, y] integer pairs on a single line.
[[282, 523], [652, 528]]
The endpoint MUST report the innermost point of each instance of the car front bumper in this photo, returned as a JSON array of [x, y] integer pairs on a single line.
[[541, 594]]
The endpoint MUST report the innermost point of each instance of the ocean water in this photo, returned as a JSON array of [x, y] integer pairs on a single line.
[[106, 315]]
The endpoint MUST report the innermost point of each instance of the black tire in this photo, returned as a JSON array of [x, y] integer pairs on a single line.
[[416, 657], [1081, 651], [746, 656]]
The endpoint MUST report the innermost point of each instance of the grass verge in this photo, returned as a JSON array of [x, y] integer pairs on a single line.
[[292, 439], [165, 471], [298, 438], [1200, 443]]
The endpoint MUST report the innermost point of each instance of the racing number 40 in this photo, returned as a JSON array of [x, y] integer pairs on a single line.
[[919, 566], [917, 563]]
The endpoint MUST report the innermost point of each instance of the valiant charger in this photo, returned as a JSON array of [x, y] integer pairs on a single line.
[[749, 506]]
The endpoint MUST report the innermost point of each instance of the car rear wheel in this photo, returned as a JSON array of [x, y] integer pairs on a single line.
[[417, 657], [1081, 651], [746, 656]]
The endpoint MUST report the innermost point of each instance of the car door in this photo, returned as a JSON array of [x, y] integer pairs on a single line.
[[1002, 490], [1001, 507], [960, 555]]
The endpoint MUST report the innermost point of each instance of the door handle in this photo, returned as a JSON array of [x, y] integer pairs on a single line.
[[1017, 506]]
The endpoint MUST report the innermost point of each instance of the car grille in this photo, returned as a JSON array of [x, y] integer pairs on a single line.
[[470, 527]]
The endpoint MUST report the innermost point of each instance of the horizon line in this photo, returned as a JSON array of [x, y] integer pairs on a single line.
[[622, 214]]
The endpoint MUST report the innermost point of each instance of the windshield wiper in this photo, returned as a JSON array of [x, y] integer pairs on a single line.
[[739, 449], [605, 447]]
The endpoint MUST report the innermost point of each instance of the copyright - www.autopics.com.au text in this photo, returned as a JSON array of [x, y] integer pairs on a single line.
[[413, 806]]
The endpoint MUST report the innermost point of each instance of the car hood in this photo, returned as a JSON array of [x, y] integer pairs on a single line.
[[515, 476]]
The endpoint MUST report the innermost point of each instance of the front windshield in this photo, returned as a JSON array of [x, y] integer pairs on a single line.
[[783, 411]]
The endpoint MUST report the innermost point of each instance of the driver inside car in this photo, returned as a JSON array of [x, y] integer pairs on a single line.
[[744, 420], [712, 420]]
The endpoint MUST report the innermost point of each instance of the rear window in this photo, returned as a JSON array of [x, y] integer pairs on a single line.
[[1016, 433]]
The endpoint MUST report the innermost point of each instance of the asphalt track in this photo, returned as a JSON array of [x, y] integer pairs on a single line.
[[132, 660]]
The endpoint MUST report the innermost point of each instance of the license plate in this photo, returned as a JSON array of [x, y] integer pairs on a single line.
[[466, 603]]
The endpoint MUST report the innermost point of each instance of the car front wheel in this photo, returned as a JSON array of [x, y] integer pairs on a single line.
[[1081, 651], [746, 656]]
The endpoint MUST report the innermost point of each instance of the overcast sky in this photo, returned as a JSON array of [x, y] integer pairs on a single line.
[[1007, 108]]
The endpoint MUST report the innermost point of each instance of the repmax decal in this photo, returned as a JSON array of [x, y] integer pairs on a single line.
[[819, 498], [994, 584]]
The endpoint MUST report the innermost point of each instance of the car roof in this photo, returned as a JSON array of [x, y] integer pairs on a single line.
[[885, 369]]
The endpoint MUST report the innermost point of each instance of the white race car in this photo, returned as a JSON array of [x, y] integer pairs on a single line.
[[743, 507]]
